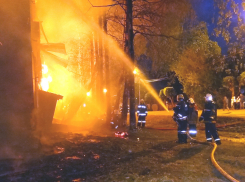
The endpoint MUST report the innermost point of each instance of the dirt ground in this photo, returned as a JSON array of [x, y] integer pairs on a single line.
[[149, 154]]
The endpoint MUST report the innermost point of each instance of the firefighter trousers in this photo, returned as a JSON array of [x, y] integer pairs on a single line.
[[182, 131], [192, 130], [141, 121], [211, 131]]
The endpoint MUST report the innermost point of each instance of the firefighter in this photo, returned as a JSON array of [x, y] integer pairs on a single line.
[[192, 117], [180, 117], [209, 116], [141, 113]]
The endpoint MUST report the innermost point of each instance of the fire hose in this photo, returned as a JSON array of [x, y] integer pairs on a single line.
[[216, 165], [201, 128]]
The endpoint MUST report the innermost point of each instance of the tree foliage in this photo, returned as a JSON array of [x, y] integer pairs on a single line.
[[199, 64], [157, 28], [230, 25], [229, 21], [241, 79], [171, 18], [229, 82]]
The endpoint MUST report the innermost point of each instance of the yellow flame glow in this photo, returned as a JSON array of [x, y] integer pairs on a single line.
[[44, 84], [135, 71], [57, 25], [44, 69]]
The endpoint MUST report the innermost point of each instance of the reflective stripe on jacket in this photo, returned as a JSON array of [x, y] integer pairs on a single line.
[[180, 111], [209, 113], [142, 110]]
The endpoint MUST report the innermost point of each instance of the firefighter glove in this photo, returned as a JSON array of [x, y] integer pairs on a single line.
[[200, 119]]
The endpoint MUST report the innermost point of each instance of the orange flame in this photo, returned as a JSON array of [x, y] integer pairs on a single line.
[[44, 84]]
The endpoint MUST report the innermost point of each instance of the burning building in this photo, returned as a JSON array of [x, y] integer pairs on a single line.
[[49, 52], [59, 49], [16, 103]]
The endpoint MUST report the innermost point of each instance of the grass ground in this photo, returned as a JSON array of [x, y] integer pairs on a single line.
[[145, 155]]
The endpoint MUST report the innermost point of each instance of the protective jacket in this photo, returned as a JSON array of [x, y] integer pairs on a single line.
[[192, 116], [180, 111], [180, 117], [142, 110], [142, 113], [209, 113]]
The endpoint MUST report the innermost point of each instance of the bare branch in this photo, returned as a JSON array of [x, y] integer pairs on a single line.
[[102, 6], [116, 38], [157, 35], [118, 22]]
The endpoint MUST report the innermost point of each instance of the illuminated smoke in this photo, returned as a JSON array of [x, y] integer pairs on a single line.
[[73, 23]]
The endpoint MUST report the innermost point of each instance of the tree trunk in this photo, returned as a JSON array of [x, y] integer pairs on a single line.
[[96, 48], [107, 75], [92, 54], [125, 104], [129, 37], [91, 86], [120, 81], [100, 66], [125, 90], [232, 92]]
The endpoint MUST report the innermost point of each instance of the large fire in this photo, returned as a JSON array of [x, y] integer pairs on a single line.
[[75, 24]]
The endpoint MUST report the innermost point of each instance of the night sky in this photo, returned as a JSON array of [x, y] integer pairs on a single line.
[[206, 11]]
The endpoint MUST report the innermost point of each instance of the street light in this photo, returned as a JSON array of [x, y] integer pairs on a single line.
[[135, 72]]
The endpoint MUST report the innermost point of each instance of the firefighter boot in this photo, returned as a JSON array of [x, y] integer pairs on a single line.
[[143, 125], [139, 124], [209, 140], [193, 135], [218, 142], [185, 138]]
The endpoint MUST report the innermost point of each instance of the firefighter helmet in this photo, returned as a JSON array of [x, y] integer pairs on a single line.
[[180, 96], [209, 97], [142, 101], [191, 101]]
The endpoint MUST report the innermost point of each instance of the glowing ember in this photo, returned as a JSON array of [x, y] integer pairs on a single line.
[[58, 150], [121, 134], [96, 156], [77, 180], [73, 158], [93, 140]]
